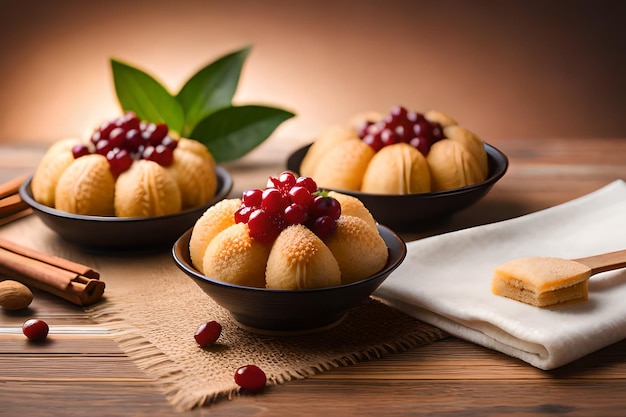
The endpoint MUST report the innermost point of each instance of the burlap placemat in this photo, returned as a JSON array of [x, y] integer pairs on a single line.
[[153, 310]]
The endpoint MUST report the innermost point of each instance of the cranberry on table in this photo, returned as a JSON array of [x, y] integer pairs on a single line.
[[208, 333], [35, 329], [250, 378]]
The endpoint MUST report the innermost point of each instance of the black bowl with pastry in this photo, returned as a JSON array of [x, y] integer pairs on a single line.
[[111, 233], [410, 184], [289, 258], [290, 312], [129, 186]]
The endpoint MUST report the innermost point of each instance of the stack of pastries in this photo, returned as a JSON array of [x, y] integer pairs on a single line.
[[288, 236], [403, 152], [127, 168]]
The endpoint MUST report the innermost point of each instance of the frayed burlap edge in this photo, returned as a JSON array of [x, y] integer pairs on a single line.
[[171, 380]]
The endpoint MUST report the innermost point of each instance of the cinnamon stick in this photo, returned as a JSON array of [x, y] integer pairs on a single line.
[[12, 187], [69, 280], [11, 205]]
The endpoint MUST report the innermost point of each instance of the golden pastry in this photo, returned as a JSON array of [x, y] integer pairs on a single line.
[[215, 219], [359, 250], [86, 187], [397, 169], [170, 174], [336, 162], [300, 260], [146, 189], [289, 236], [344, 165], [352, 206], [234, 257]]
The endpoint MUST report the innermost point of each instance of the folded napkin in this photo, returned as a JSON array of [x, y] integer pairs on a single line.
[[445, 280]]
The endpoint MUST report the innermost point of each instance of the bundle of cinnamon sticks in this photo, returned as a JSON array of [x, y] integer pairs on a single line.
[[69, 280], [12, 207]]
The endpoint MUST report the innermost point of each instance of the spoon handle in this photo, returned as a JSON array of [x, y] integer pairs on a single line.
[[605, 261]]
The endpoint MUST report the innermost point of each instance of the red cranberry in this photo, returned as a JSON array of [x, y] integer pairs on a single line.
[[326, 206], [154, 133], [262, 226], [243, 214], [105, 129], [128, 121], [252, 198], [272, 200], [323, 226], [119, 161], [308, 183], [286, 180], [295, 214], [117, 137], [80, 150], [133, 140], [250, 378], [300, 195], [35, 329], [103, 147], [208, 333]]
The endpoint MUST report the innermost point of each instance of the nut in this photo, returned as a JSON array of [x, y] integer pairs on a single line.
[[14, 295]]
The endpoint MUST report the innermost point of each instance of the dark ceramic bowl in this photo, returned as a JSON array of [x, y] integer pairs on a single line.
[[278, 312], [412, 212], [97, 233]]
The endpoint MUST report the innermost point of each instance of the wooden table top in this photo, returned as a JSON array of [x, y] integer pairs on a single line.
[[448, 377]]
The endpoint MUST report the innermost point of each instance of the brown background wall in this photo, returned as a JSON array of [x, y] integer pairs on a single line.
[[502, 68]]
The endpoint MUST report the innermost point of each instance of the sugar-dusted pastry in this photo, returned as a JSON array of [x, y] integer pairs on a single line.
[[215, 219], [397, 169], [458, 156], [544, 281], [300, 260], [359, 250], [159, 174], [235, 257], [298, 235], [352, 206]]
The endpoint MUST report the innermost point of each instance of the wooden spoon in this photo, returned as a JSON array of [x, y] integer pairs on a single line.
[[544, 281]]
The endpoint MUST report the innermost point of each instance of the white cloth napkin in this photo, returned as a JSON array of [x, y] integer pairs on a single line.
[[445, 280]]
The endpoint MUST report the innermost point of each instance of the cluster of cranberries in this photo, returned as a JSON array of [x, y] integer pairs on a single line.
[[125, 139], [401, 125], [286, 201]]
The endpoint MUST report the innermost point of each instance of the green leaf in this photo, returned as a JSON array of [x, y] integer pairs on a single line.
[[142, 94], [231, 132], [211, 88]]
